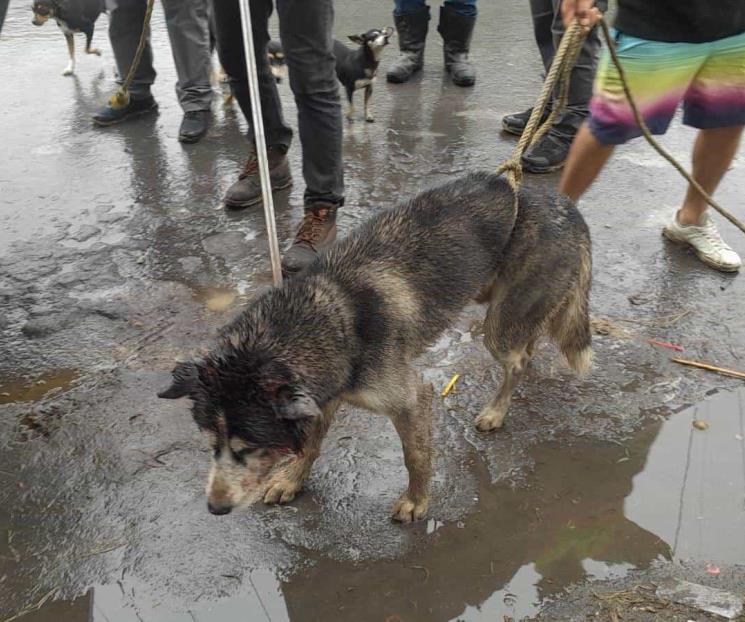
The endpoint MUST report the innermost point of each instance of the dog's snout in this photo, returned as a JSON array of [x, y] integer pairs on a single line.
[[218, 509]]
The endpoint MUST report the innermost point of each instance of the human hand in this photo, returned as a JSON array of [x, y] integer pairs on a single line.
[[584, 10]]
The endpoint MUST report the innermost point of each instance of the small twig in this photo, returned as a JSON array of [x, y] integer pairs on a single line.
[[450, 386], [720, 370]]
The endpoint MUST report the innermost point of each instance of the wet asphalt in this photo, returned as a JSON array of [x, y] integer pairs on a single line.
[[117, 257]]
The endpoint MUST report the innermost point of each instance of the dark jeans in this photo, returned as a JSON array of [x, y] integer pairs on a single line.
[[305, 31], [548, 29], [467, 8]]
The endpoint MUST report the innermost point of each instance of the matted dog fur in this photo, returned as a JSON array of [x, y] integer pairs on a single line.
[[349, 327]]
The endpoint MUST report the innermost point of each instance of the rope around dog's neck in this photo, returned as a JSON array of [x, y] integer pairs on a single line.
[[120, 99], [560, 72]]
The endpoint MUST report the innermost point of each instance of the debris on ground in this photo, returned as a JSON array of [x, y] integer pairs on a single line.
[[706, 599], [709, 367], [699, 424]]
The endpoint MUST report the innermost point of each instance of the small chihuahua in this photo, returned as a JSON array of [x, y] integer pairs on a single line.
[[71, 16], [357, 68]]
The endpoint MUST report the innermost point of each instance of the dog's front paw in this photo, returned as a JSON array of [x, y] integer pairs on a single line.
[[95, 51], [370, 119], [406, 510], [281, 490], [68, 71]]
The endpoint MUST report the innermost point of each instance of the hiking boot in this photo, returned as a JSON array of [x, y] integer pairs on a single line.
[[456, 31], [412, 33], [706, 242], [515, 123], [247, 190], [548, 154], [136, 107], [194, 126], [316, 232]]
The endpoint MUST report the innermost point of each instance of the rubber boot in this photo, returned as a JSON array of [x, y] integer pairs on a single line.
[[456, 31], [412, 33]]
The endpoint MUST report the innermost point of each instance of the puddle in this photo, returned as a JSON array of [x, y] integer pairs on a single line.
[[590, 511], [216, 299], [25, 390]]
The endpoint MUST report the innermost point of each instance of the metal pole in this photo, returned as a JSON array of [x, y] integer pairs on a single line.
[[258, 131]]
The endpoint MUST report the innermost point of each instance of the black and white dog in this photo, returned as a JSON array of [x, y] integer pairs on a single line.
[[356, 69], [71, 16]]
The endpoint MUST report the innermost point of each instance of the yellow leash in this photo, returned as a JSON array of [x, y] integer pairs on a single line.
[[560, 72], [120, 99]]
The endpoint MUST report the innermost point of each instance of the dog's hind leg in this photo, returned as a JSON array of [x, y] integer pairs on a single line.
[[289, 480], [510, 336], [350, 109], [412, 418], [70, 69], [368, 95], [88, 38]]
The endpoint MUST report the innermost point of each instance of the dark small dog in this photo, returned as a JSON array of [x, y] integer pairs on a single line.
[[349, 327], [71, 16], [356, 69]]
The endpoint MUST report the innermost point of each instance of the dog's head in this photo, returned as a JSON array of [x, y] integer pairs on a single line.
[[374, 39], [43, 10], [254, 415]]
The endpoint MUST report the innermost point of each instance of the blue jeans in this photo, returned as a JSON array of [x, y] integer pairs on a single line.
[[466, 8]]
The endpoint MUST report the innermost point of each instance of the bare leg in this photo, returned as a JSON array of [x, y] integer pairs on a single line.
[[70, 69], [285, 484], [586, 159], [514, 364], [413, 422], [712, 156], [368, 95]]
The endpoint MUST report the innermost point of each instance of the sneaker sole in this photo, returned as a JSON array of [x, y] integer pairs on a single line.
[[190, 140], [702, 258], [541, 171], [512, 130], [132, 115], [255, 201]]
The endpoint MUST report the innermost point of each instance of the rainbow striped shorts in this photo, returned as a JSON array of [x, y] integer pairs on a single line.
[[708, 78]]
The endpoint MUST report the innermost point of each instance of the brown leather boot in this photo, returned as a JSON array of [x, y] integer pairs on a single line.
[[316, 232], [247, 190]]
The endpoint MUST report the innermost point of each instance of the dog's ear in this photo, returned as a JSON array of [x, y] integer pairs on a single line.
[[185, 380], [294, 404], [358, 39]]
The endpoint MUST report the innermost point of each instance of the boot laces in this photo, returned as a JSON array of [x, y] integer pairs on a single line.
[[312, 227]]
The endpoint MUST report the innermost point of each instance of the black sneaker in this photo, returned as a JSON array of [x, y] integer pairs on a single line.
[[515, 123], [194, 126], [548, 154], [135, 108]]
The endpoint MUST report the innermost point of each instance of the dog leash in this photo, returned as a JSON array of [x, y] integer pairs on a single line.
[[560, 72], [120, 99]]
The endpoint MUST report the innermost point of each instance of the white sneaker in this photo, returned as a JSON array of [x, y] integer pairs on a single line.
[[706, 241]]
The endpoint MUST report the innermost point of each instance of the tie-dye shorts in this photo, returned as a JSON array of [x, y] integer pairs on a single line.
[[708, 78]]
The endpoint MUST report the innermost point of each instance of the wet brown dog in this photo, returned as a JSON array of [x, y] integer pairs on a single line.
[[348, 329]]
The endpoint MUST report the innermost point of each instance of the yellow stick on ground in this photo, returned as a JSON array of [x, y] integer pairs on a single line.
[[708, 367], [450, 385]]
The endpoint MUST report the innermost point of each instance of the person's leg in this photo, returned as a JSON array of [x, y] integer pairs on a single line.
[[306, 34], [542, 14], [411, 18], [246, 190], [188, 23], [715, 104], [550, 153], [457, 21], [125, 25], [713, 153], [586, 159]]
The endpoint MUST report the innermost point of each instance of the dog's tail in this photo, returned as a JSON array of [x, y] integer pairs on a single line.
[[571, 326]]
